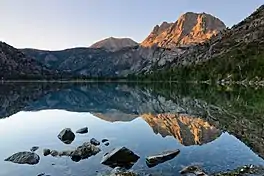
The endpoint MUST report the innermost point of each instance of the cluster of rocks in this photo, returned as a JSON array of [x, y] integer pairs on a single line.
[[119, 157], [248, 170], [83, 151]]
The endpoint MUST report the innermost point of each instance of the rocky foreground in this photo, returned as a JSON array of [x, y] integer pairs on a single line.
[[121, 159]]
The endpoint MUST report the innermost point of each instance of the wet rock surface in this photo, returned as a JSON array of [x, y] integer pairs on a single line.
[[82, 130], [94, 141], [24, 158], [66, 136], [84, 151], [244, 171], [33, 149], [154, 160], [54, 153], [120, 157], [105, 140], [43, 174], [193, 171], [46, 152]]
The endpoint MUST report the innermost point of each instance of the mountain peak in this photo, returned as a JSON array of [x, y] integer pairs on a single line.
[[114, 44], [190, 28]]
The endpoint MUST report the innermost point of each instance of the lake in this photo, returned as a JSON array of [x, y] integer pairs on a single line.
[[217, 127]]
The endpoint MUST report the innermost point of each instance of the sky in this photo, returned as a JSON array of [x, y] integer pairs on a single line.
[[61, 24]]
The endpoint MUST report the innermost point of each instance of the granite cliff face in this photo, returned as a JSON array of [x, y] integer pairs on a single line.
[[114, 44], [16, 65], [234, 54], [190, 29]]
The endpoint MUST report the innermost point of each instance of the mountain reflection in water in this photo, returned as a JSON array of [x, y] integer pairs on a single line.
[[186, 129], [194, 115]]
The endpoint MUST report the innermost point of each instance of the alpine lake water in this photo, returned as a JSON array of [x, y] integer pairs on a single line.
[[219, 128]]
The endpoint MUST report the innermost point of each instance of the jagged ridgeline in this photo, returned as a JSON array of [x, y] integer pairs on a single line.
[[236, 54], [195, 47]]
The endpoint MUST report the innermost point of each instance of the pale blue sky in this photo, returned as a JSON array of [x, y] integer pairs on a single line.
[[60, 24]]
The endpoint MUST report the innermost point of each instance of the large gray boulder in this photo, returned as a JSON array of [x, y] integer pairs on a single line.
[[120, 157], [152, 161], [66, 136], [24, 158]]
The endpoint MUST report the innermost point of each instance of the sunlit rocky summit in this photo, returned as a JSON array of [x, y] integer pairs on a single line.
[[190, 29]]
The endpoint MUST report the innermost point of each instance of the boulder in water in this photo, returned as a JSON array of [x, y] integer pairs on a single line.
[[161, 158], [94, 142], [84, 151], [66, 136], [24, 158], [54, 153], [120, 157], [33, 149], [105, 140], [82, 130], [46, 152], [193, 170]]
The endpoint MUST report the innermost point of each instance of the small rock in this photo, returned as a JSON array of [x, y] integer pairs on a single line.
[[120, 157], [66, 136], [107, 144], [46, 152], [118, 171], [161, 158], [200, 173], [195, 170], [105, 140], [42, 174], [94, 142], [54, 153], [82, 130], [24, 158], [33, 149]]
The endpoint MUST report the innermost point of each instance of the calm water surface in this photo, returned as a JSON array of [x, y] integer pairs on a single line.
[[218, 128]]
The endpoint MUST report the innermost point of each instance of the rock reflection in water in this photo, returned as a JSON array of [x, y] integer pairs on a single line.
[[186, 129]]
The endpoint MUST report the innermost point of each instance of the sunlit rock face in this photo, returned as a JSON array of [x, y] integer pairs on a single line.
[[191, 28], [186, 129]]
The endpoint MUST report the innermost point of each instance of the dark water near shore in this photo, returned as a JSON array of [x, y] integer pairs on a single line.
[[219, 128]]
